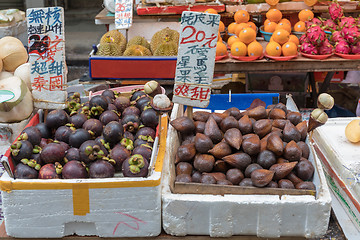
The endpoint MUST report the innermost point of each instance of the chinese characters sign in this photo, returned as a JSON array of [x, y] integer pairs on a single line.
[[46, 43], [123, 14], [196, 58]]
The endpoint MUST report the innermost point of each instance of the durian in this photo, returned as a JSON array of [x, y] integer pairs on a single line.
[[114, 36], [138, 40], [167, 49], [109, 48], [166, 34], [137, 50]]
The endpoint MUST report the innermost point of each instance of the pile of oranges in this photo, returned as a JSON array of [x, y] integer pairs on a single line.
[[304, 15], [274, 21], [281, 44]]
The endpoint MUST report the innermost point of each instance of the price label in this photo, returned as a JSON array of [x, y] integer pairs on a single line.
[[6, 95], [123, 14], [196, 58]]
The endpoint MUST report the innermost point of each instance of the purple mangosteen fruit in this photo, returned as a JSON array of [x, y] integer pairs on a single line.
[[121, 103], [113, 132], [56, 118], [45, 141], [131, 122], [101, 141], [78, 137], [146, 132], [23, 171], [91, 151], [135, 166], [127, 143], [129, 135], [53, 152], [94, 127], [101, 169], [149, 118], [32, 134], [139, 142], [108, 100], [131, 111], [44, 130], [72, 154], [108, 93], [63, 133], [50, 171], [21, 149], [137, 94], [64, 145], [74, 169], [119, 154], [111, 107], [97, 105], [143, 150], [142, 102], [78, 120], [108, 116]]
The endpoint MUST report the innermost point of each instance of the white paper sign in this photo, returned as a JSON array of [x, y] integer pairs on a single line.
[[6, 95], [123, 14], [196, 58], [46, 42]]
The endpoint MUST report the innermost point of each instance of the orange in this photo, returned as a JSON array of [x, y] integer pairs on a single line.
[[294, 39], [270, 27], [281, 36], [221, 27], [247, 35], [266, 21], [219, 39], [211, 10], [289, 49], [310, 2], [221, 49], [305, 15], [273, 49], [300, 26], [231, 27], [240, 27], [241, 16], [284, 20], [251, 25], [274, 15], [271, 38], [284, 26], [238, 49], [272, 2], [255, 49], [232, 40]]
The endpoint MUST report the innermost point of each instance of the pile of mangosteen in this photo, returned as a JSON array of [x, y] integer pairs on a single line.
[[108, 134]]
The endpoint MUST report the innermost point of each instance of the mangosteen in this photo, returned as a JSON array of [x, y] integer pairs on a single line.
[[135, 166], [64, 145], [21, 149], [74, 169], [101, 141], [56, 118], [53, 152], [127, 143], [45, 142], [109, 100], [139, 142], [63, 133], [108, 116], [50, 171], [143, 102], [94, 127], [44, 130], [121, 103], [97, 105], [149, 118], [78, 137], [147, 132], [23, 171], [131, 122], [119, 154], [72, 154], [137, 94], [101, 169], [90, 151], [32, 134], [113, 132], [131, 111], [108, 93], [152, 88], [112, 107], [36, 157], [143, 150], [78, 120], [129, 135]]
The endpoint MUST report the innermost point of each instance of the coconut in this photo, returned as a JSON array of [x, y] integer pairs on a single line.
[[23, 72], [1, 64], [12, 53], [5, 74], [20, 111], [18, 87]]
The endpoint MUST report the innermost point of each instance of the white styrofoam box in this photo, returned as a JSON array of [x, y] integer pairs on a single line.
[[340, 159], [17, 30], [108, 207], [261, 215]]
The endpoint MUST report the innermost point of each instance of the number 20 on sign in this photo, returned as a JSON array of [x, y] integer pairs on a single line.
[[196, 58]]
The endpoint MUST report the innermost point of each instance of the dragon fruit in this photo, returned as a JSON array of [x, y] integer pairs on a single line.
[[303, 39], [337, 37], [314, 21], [336, 12], [350, 34], [308, 48], [325, 48], [355, 49], [329, 24], [347, 22], [342, 47], [316, 35]]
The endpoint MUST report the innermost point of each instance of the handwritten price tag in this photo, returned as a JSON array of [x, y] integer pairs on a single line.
[[123, 14], [196, 58], [6, 95]]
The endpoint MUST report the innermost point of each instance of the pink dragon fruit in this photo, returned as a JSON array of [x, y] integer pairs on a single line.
[[337, 37], [308, 48], [355, 49], [329, 24], [314, 21], [335, 10], [350, 34], [316, 35], [303, 39], [347, 22], [325, 48], [342, 47]]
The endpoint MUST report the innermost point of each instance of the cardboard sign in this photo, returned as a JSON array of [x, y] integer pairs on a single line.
[[196, 58], [6, 95], [123, 14], [46, 43]]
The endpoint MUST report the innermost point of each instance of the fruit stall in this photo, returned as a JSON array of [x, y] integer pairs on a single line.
[[170, 158]]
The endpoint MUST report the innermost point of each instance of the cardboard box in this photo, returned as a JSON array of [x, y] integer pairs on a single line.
[[224, 215]]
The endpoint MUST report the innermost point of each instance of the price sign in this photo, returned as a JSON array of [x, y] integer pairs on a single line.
[[123, 14], [6, 95], [196, 58], [46, 42]]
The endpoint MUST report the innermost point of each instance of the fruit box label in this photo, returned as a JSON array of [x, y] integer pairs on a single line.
[[196, 58], [123, 14], [46, 41]]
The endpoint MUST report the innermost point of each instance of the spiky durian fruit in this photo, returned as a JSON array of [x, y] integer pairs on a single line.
[[138, 40], [166, 34], [109, 48], [167, 49], [114, 36], [137, 50]]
